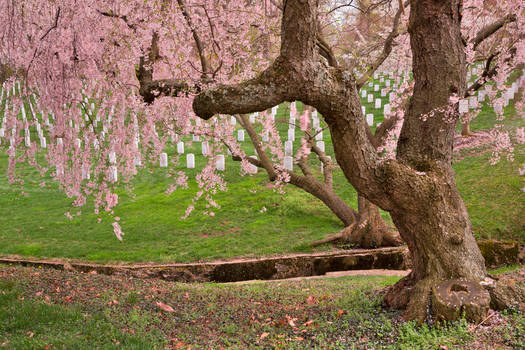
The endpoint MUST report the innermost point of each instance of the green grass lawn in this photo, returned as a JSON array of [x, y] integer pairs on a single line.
[[60, 310], [35, 225]]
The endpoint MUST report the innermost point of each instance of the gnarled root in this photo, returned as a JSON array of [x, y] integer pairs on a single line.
[[451, 299], [365, 235]]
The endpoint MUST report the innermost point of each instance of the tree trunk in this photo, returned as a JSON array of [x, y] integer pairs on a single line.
[[431, 217], [371, 231], [465, 129], [439, 236]]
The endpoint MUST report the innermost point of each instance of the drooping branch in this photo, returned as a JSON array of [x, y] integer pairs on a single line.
[[488, 72], [387, 48], [490, 29], [54, 26], [122, 17], [265, 161], [206, 69]]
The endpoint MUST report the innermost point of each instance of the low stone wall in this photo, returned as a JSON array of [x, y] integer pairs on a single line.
[[299, 265]]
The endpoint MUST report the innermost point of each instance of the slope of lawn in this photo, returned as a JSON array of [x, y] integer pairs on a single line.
[[253, 219]]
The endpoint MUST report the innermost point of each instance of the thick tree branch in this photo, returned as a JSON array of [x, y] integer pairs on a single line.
[[265, 91], [297, 74], [490, 29]]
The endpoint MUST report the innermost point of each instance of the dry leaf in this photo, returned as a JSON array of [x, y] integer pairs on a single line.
[[311, 300], [164, 307], [263, 335]]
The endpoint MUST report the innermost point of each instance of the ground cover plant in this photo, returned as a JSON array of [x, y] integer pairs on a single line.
[[62, 310]]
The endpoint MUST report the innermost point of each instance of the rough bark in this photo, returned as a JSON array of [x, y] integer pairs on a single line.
[[418, 188]]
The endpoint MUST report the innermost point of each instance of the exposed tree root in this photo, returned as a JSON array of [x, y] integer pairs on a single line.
[[365, 235], [450, 299], [368, 231]]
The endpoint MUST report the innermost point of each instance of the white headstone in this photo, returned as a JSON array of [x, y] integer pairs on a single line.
[[315, 123], [219, 162], [363, 110], [59, 170], [112, 157], [288, 148], [113, 173], [204, 148], [85, 174], [363, 93], [320, 144], [370, 119], [481, 95], [233, 121], [138, 162], [288, 163], [195, 138], [378, 103], [384, 92], [180, 147], [2, 132], [265, 136], [319, 136], [43, 143], [291, 135], [387, 109], [24, 117], [370, 98], [240, 135], [163, 160], [253, 168], [252, 118], [463, 106], [376, 87], [473, 102], [190, 161], [59, 141], [28, 140]]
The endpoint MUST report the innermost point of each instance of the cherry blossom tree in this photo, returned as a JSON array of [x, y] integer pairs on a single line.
[[113, 82], [418, 187]]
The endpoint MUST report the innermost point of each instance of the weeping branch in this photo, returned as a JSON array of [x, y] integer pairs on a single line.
[[121, 17]]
